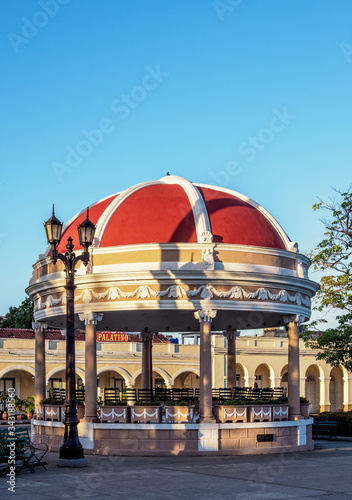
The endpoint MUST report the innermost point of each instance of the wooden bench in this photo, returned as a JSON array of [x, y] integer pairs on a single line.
[[325, 428], [16, 445]]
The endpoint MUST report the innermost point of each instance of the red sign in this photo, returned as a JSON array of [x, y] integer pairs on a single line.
[[112, 337]]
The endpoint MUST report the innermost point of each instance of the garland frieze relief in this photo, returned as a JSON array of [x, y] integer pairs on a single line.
[[205, 292]]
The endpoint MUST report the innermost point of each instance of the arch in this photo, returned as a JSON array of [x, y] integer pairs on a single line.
[[315, 387], [17, 367], [160, 371], [184, 370], [79, 372], [284, 370], [243, 368], [270, 379], [336, 389], [125, 374]]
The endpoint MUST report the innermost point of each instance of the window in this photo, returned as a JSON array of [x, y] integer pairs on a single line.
[[255, 343], [56, 383], [1, 343], [118, 384], [98, 346], [139, 347], [80, 384], [6, 384], [177, 348], [52, 345]]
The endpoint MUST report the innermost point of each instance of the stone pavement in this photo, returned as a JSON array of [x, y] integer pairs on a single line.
[[325, 473]]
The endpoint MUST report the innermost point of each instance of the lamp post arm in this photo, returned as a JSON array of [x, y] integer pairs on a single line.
[[70, 260]]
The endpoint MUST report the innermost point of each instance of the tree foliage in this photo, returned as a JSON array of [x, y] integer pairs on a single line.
[[19, 317], [334, 344], [333, 254]]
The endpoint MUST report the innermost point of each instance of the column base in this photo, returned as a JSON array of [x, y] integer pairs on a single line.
[[296, 416], [93, 420], [206, 420], [325, 408], [71, 462]]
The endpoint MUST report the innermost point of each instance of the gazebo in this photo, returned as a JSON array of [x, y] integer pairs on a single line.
[[168, 256]]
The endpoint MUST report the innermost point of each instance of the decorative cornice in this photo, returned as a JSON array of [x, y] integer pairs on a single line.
[[206, 292], [205, 315]]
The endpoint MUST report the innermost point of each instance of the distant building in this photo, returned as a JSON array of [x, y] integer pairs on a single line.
[[261, 360]]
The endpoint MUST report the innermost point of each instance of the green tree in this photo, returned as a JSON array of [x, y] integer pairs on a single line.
[[333, 254], [19, 317], [334, 344], [333, 257]]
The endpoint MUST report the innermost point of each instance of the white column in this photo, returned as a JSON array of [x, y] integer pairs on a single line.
[[277, 381], [327, 402], [90, 320], [345, 393], [293, 366], [39, 379], [205, 317]]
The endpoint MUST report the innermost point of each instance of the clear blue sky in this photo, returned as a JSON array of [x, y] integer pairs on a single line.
[[186, 86]]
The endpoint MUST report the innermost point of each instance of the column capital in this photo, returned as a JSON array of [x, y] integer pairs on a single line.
[[205, 315], [231, 334], [294, 319], [39, 326], [90, 318], [145, 336]]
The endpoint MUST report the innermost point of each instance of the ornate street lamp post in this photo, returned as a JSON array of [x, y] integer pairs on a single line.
[[71, 451]]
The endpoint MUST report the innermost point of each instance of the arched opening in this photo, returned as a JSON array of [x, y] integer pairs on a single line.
[[336, 389], [312, 388], [21, 380], [262, 375], [240, 375], [284, 378], [187, 380], [159, 380], [57, 381], [111, 380]]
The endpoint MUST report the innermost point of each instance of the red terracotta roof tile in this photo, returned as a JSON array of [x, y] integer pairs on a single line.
[[28, 334]]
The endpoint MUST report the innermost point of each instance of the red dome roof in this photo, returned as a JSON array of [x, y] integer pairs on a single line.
[[175, 210]]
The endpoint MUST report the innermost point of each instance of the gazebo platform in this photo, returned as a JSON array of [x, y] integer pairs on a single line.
[[182, 439]]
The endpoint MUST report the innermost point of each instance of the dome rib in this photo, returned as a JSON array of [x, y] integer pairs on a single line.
[[285, 239], [196, 201]]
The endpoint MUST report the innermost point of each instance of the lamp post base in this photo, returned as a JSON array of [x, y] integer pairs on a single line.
[[71, 462]]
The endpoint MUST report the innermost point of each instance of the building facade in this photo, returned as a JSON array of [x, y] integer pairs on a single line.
[[260, 362]]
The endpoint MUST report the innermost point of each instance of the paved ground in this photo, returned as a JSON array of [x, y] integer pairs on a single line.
[[325, 473]]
